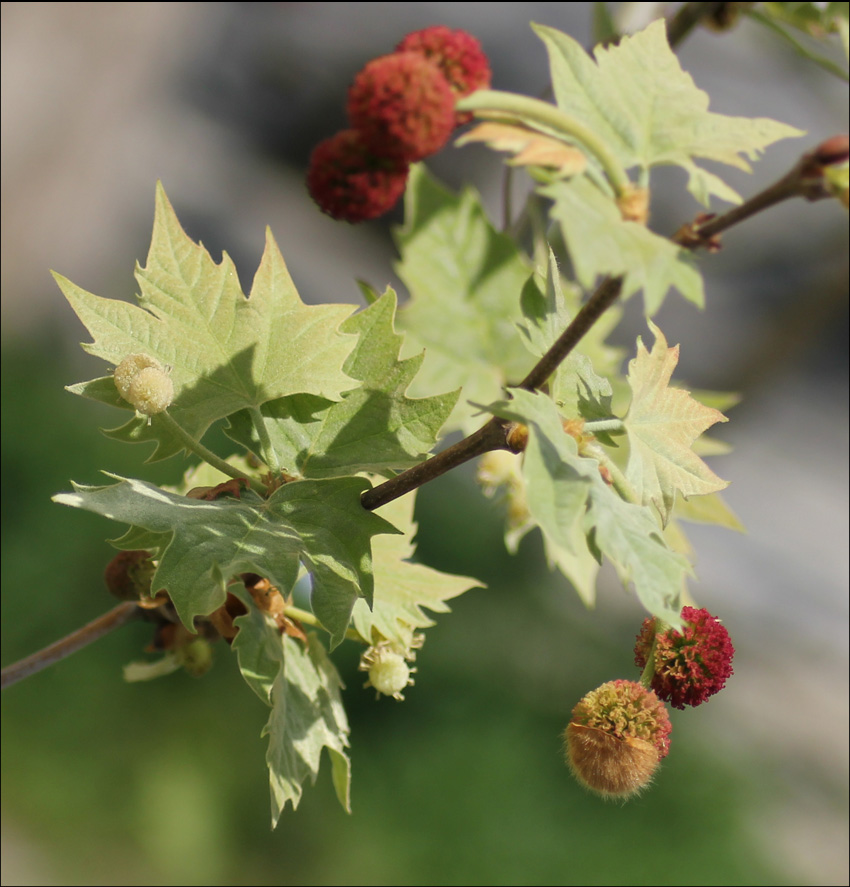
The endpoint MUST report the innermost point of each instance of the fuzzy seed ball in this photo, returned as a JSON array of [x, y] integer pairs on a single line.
[[127, 370], [616, 738], [350, 183], [151, 391], [403, 106]]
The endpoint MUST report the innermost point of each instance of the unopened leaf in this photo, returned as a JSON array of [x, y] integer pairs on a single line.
[[529, 147]]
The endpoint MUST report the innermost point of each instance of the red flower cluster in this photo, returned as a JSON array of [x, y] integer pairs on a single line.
[[689, 666], [617, 735], [401, 109]]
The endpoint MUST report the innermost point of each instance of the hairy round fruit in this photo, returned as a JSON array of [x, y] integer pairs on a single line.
[[688, 667], [616, 738], [349, 182], [129, 368], [403, 106], [459, 56], [151, 391]]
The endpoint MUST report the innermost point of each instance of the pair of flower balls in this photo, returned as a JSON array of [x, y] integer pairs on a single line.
[[401, 108], [619, 733]]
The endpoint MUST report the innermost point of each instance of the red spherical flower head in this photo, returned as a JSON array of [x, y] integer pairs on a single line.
[[403, 106], [459, 55], [349, 183], [616, 738], [689, 666]]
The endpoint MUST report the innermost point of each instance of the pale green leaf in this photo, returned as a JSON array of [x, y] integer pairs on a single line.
[[636, 97], [465, 281], [374, 428], [575, 386], [710, 509], [226, 352], [662, 425], [601, 242], [403, 588], [557, 483], [566, 493], [302, 687], [318, 523]]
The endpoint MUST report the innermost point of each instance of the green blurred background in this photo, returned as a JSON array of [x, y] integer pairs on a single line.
[[464, 782]]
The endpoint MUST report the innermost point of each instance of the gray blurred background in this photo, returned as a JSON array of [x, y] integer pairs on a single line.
[[463, 783]]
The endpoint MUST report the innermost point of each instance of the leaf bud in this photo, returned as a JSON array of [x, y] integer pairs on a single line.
[[616, 738], [690, 666]]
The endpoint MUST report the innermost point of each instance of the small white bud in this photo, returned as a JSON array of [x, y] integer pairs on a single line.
[[151, 391]]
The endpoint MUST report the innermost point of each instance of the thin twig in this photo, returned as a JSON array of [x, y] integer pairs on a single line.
[[82, 637], [493, 435]]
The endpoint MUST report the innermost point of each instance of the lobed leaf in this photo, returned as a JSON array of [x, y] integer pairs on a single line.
[[302, 687], [464, 280], [374, 428], [662, 424], [581, 516], [403, 588], [226, 352], [636, 97], [601, 242], [318, 523]]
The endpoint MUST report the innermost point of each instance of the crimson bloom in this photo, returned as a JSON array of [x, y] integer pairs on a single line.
[[617, 735], [691, 666], [403, 106], [459, 56], [349, 182]]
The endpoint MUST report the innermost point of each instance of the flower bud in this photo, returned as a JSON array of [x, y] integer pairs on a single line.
[[389, 674], [129, 368], [151, 391], [616, 738], [690, 666]]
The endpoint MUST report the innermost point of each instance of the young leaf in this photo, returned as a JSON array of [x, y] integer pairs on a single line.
[[403, 588], [569, 499], [574, 386], [601, 242], [226, 352], [302, 687], [557, 482], [662, 424], [649, 112], [464, 280], [374, 428], [318, 523]]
